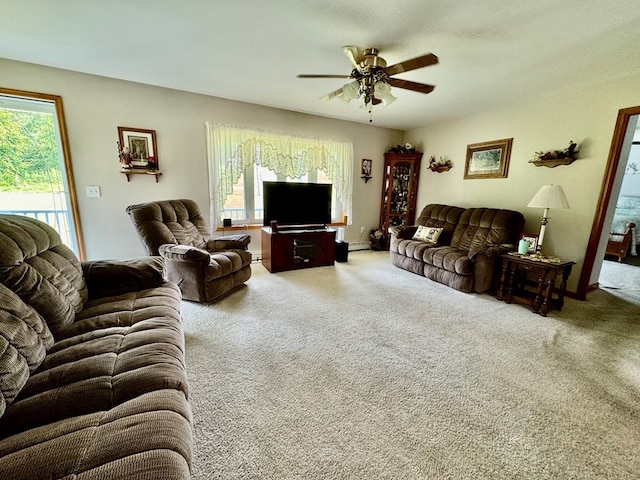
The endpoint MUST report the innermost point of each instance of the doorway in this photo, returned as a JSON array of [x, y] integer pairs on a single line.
[[36, 179], [618, 155]]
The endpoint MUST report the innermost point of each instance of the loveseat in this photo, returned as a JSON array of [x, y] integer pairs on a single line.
[[92, 372], [468, 246]]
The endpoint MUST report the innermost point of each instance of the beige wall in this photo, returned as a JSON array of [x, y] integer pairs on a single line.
[[586, 115], [94, 108]]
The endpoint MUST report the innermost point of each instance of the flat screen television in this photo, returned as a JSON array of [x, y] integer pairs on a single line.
[[292, 203]]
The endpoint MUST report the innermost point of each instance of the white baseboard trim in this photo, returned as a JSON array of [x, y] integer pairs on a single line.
[[359, 246]]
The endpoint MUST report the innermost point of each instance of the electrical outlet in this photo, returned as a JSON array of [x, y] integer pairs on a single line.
[[362, 229], [92, 190]]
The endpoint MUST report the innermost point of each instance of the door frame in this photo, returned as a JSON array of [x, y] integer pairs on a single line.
[[608, 182]]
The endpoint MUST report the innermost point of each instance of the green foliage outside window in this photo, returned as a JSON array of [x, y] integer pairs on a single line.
[[28, 152]]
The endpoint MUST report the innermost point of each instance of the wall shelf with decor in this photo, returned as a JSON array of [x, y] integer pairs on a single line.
[[555, 158], [138, 152], [154, 173], [439, 166]]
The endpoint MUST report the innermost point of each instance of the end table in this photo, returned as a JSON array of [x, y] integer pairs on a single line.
[[533, 282]]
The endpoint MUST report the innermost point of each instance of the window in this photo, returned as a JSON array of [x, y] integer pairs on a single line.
[[241, 159], [35, 169]]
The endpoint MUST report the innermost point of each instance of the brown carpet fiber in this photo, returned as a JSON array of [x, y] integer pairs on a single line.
[[366, 371]]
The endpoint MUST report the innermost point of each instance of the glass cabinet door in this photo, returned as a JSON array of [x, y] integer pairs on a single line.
[[399, 189]]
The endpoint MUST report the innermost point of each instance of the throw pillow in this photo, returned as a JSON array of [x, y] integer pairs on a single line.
[[427, 234]]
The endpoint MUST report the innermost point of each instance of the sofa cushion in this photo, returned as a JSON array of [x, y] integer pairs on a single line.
[[480, 227], [445, 216], [146, 437], [118, 348], [450, 259], [226, 263], [24, 340], [41, 270]]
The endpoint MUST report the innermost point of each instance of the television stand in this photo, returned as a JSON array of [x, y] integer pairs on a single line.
[[300, 228], [297, 248]]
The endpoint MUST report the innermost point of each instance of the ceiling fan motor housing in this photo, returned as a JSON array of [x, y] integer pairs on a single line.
[[371, 59]]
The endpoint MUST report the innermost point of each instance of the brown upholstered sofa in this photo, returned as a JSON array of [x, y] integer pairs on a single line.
[[92, 371], [205, 267], [466, 253]]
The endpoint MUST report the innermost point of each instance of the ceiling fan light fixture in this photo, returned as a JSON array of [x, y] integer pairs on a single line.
[[373, 79], [383, 92], [350, 92]]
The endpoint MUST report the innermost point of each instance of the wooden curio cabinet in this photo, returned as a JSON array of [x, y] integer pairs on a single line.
[[399, 190]]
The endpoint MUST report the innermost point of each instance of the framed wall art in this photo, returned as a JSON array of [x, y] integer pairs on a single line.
[[488, 159], [138, 147], [366, 169]]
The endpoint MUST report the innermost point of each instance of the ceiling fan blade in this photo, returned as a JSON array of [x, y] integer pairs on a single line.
[[335, 93], [408, 65], [408, 85], [323, 76]]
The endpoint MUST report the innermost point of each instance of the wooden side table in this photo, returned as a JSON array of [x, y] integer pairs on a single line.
[[534, 283]]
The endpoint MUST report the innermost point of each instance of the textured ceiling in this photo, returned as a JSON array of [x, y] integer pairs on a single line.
[[491, 51]]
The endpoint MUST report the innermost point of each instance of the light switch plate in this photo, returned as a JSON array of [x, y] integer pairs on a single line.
[[92, 190]]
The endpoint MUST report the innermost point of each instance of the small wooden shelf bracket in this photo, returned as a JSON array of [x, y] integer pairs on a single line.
[[155, 173]]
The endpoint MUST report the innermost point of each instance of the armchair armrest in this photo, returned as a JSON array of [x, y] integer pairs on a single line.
[[218, 244], [403, 231], [105, 278], [184, 253]]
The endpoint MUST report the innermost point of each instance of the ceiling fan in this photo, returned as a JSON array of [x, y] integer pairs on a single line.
[[372, 79]]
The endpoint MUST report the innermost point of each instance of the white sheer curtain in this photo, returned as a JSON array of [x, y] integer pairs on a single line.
[[231, 149]]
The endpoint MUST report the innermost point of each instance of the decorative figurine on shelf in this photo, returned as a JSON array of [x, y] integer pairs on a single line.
[[556, 157], [151, 163], [406, 148], [125, 156], [442, 165]]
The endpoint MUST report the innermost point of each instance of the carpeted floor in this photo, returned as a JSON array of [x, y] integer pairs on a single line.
[[366, 371]]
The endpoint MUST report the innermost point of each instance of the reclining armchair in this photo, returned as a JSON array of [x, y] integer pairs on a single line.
[[204, 267]]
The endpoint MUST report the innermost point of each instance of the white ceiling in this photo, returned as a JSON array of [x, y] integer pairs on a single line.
[[491, 51]]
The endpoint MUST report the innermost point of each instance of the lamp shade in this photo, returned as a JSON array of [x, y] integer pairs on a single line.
[[549, 196]]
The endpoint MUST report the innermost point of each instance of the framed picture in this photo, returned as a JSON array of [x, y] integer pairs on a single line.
[[366, 167], [488, 159], [532, 238], [141, 144]]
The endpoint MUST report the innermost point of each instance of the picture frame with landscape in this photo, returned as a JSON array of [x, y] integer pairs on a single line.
[[488, 159]]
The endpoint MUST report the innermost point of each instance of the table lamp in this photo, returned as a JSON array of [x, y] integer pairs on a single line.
[[549, 196]]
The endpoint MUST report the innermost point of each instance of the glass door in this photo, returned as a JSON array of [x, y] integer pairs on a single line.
[[35, 169]]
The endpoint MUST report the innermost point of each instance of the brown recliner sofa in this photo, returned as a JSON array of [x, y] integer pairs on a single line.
[[92, 372], [465, 257], [204, 267]]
